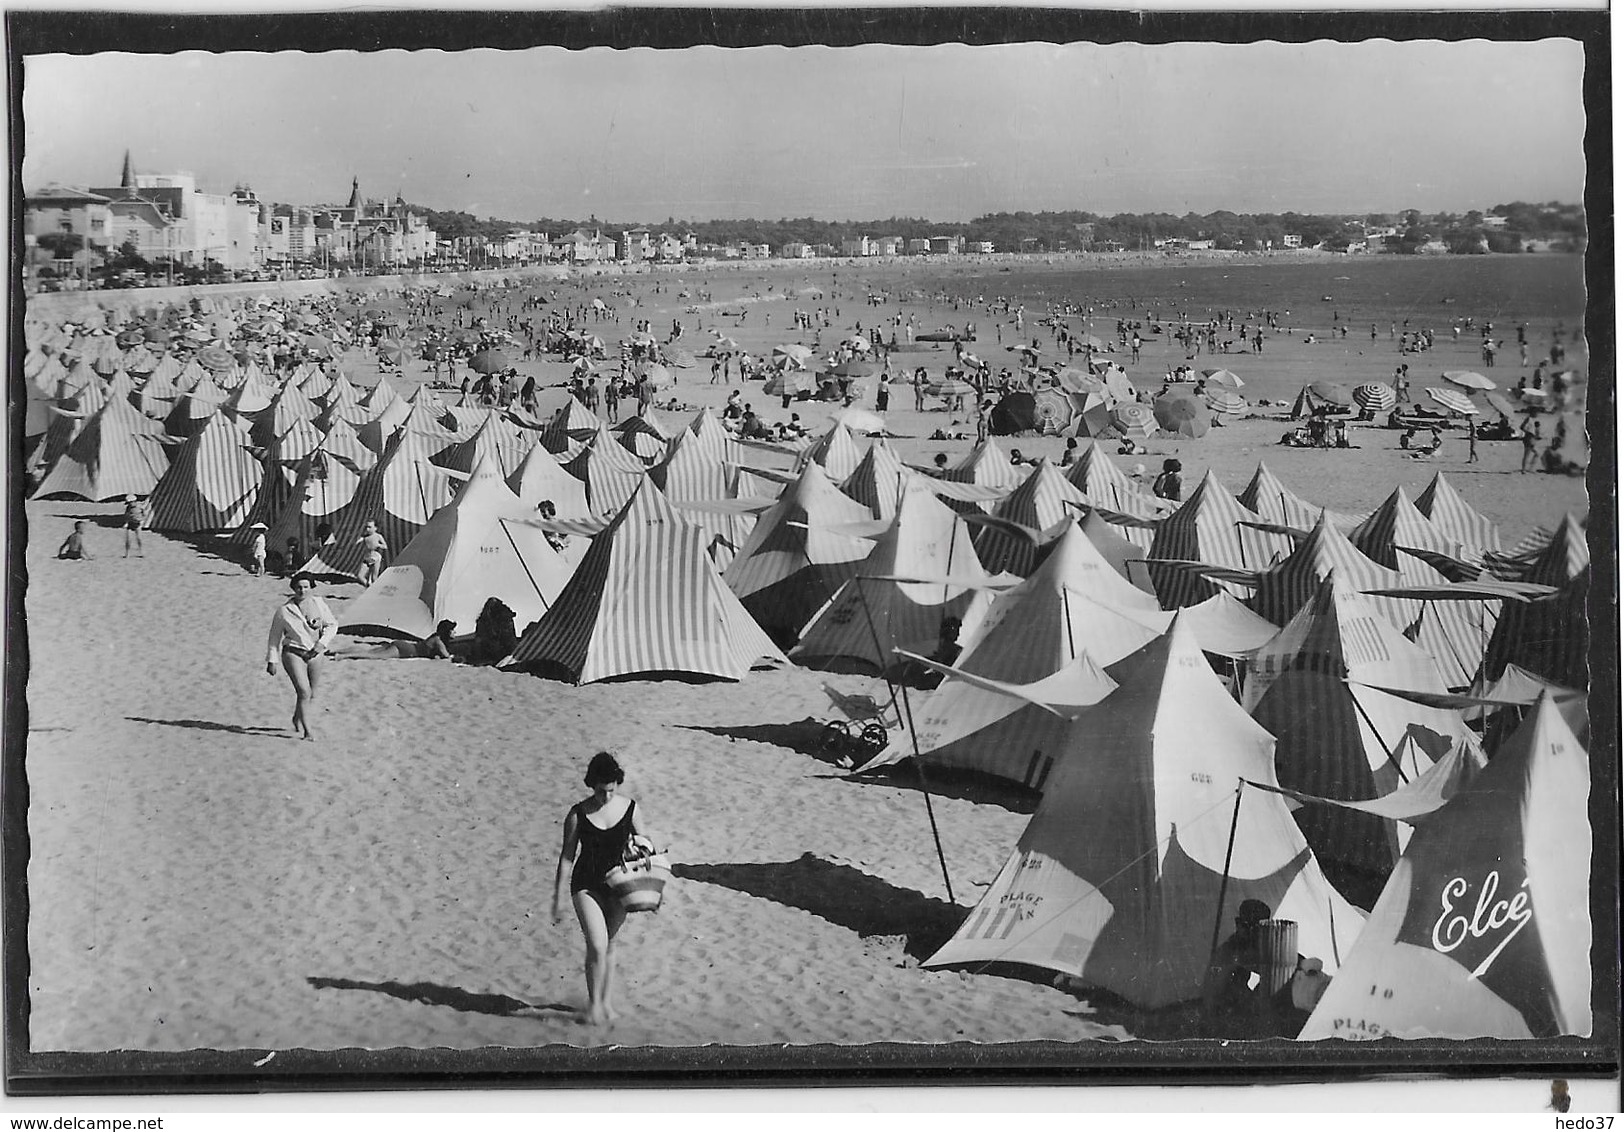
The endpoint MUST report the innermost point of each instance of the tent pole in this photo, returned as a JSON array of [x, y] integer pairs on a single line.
[[1223, 885], [904, 712], [1391, 757], [544, 603]]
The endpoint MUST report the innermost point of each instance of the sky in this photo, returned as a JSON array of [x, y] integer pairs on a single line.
[[946, 132]]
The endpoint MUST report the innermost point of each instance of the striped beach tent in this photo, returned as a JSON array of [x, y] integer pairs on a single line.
[[1274, 502], [836, 450], [1455, 518], [322, 487], [495, 441], [480, 545], [539, 476], [342, 442], [1211, 527], [1548, 636], [879, 480], [1137, 848], [189, 412], [1483, 929], [644, 436], [400, 493], [690, 475], [1454, 632], [423, 420], [1318, 687], [1043, 499], [251, 397], [375, 399], [1009, 731], [213, 483], [987, 465], [611, 474], [118, 452], [799, 553], [1287, 586], [713, 438], [1564, 557], [571, 427], [874, 613], [1068, 606], [646, 600], [288, 407], [1108, 487]]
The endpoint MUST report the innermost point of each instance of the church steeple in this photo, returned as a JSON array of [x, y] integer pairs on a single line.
[[127, 181], [355, 193]]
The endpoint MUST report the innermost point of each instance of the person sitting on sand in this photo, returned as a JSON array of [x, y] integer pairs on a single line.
[[597, 832], [1236, 970], [73, 548], [436, 647], [495, 633]]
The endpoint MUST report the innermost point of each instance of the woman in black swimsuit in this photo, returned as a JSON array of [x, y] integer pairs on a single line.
[[596, 831]]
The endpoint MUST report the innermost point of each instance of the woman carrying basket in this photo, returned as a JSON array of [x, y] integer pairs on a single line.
[[597, 831]]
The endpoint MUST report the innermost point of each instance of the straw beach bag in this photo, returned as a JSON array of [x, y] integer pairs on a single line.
[[638, 882]]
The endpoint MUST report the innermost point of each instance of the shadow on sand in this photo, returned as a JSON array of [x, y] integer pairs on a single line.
[[432, 994], [211, 725], [842, 895], [804, 737]]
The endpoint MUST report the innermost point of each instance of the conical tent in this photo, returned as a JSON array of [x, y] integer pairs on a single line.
[[494, 441], [1549, 636], [611, 474], [879, 480], [478, 546], [540, 477], [570, 427], [400, 493], [1106, 485], [714, 439], [116, 453], [1316, 688], [1483, 930], [1117, 880], [796, 557], [1010, 731], [690, 475], [213, 483], [1287, 586], [322, 487], [987, 465], [1274, 502], [1041, 501], [1210, 526], [1564, 557], [1454, 632], [836, 450], [646, 599], [1455, 519], [873, 615]]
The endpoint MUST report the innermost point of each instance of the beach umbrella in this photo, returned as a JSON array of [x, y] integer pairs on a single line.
[[1074, 380], [641, 338], [856, 342], [1466, 379], [489, 360], [391, 350], [1375, 396], [794, 354], [1500, 405], [1029, 351], [216, 359], [1054, 410], [129, 339], [950, 387], [1332, 393], [1226, 401], [1090, 342], [1453, 400], [1182, 415], [1222, 377], [1134, 419], [724, 343], [790, 382], [853, 369]]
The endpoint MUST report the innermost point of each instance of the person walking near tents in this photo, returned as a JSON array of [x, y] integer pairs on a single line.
[[301, 632], [1530, 442], [597, 832], [373, 545], [136, 517]]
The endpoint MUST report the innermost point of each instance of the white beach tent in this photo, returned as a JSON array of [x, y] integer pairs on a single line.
[[922, 572], [479, 546], [1483, 930], [1117, 878], [646, 599]]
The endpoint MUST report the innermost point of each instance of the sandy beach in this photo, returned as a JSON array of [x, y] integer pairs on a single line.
[[198, 879]]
